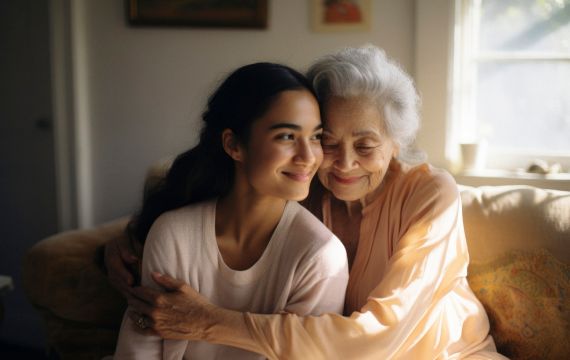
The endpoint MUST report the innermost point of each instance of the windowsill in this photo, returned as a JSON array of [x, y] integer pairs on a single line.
[[494, 177]]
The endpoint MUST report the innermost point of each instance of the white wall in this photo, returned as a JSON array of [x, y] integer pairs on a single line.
[[139, 91], [433, 60]]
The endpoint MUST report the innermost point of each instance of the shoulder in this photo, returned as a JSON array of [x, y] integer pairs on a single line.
[[178, 221], [423, 192], [428, 183], [170, 245], [305, 224], [182, 215], [313, 240]]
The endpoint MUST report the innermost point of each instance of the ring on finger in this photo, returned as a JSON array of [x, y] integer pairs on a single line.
[[141, 322]]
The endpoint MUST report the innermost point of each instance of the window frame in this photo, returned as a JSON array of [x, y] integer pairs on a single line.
[[463, 101]]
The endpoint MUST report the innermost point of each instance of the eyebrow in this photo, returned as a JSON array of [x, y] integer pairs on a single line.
[[365, 133], [360, 133], [292, 126]]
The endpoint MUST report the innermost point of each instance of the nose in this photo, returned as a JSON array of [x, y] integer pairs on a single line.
[[305, 153], [344, 159]]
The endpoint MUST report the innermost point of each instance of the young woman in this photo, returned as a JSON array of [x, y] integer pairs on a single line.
[[226, 218]]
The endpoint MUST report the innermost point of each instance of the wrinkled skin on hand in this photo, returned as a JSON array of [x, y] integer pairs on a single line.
[[178, 313], [122, 260]]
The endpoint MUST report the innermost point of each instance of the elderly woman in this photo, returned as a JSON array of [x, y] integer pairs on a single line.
[[408, 295]]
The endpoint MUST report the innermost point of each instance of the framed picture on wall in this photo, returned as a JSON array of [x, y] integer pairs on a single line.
[[199, 13], [340, 15]]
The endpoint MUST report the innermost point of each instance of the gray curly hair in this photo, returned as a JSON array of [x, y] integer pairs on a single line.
[[366, 72]]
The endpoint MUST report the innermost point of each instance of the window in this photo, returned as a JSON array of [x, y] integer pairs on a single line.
[[511, 79]]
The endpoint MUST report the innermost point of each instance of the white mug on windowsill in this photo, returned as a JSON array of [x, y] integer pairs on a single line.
[[473, 155]]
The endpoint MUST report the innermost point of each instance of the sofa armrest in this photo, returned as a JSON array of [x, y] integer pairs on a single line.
[[63, 274]]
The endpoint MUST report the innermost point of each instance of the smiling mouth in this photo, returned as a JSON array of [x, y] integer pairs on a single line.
[[301, 177], [346, 180]]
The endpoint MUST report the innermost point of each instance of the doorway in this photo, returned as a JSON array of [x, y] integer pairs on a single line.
[[28, 200]]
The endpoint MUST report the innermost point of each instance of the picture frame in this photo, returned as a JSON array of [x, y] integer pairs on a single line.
[[199, 13], [341, 15]]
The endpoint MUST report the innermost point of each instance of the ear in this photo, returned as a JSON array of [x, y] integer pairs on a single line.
[[231, 145]]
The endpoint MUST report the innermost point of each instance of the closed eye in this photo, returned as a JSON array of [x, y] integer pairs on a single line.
[[365, 149]]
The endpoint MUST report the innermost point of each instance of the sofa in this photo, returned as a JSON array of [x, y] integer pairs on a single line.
[[518, 239]]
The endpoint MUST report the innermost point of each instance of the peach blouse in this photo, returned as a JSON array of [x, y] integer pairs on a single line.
[[408, 296]]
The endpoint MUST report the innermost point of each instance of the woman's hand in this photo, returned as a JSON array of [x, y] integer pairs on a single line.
[[122, 264], [181, 313], [178, 313]]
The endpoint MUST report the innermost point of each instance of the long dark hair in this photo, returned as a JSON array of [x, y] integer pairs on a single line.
[[206, 171]]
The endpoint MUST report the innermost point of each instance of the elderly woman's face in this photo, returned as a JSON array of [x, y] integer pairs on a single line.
[[356, 147]]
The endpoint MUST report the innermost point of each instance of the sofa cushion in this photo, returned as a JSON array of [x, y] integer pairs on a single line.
[[525, 294], [519, 244], [498, 219]]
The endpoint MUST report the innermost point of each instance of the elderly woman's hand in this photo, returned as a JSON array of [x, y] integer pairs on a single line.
[[178, 313], [122, 264]]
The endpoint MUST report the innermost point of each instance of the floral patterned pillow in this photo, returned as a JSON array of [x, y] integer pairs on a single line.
[[527, 297]]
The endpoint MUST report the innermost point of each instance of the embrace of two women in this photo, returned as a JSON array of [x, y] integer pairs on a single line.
[[249, 255]]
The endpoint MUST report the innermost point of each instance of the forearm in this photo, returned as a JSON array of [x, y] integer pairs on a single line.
[[275, 336], [229, 327], [289, 336]]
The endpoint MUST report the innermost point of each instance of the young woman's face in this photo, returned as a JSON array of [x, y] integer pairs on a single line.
[[284, 149], [356, 147]]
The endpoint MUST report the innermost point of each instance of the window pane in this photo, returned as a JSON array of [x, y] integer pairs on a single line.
[[525, 105], [525, 25]]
